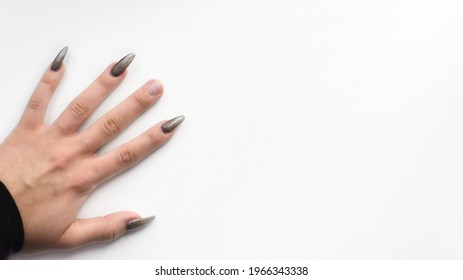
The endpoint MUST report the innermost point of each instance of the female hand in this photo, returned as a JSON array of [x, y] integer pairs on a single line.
[[50, 170]]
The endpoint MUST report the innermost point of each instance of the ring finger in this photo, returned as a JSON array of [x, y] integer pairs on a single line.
[[132, 152]]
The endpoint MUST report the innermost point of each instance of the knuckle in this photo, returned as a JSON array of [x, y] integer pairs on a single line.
[[48, 83], [108, 233], [66, 242], [35, 103], [111, 126], [60, 161], [153, 138], [85, 144], [104, 84], [64, 126], [126, 157], [78, 109], [82, 184], [140, 102]]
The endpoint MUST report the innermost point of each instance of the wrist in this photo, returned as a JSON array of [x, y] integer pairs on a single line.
[[11, 226]]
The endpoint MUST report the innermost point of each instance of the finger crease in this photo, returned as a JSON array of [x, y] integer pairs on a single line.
[[141, 102], [34, 103], [111, 126], [126, 157], [78, 110]]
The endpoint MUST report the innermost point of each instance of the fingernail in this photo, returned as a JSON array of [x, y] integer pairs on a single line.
[[171, 124], [122, 64], [56, 64], [155, 88], [139, 223]]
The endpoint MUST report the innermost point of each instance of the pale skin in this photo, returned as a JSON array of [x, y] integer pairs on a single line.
[[51, 169]]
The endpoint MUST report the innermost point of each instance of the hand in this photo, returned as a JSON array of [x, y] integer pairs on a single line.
[[50, 170]]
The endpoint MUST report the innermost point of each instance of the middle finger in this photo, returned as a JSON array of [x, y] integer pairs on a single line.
[[120, 117]]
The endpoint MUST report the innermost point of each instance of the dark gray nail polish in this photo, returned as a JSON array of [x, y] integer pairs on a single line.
[[139, 223], [56, 64], [122, 64], [171, 124]]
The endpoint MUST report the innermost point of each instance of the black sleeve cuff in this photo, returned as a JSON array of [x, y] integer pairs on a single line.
[[11, 226]]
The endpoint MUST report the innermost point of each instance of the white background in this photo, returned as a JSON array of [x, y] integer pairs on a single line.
[[314, 129]]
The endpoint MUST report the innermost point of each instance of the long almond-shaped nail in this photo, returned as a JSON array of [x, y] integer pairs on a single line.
[[122, 64], [139, 223], [171, 124], [56, 64]]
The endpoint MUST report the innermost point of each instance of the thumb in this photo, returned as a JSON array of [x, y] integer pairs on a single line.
[[101, 229]]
